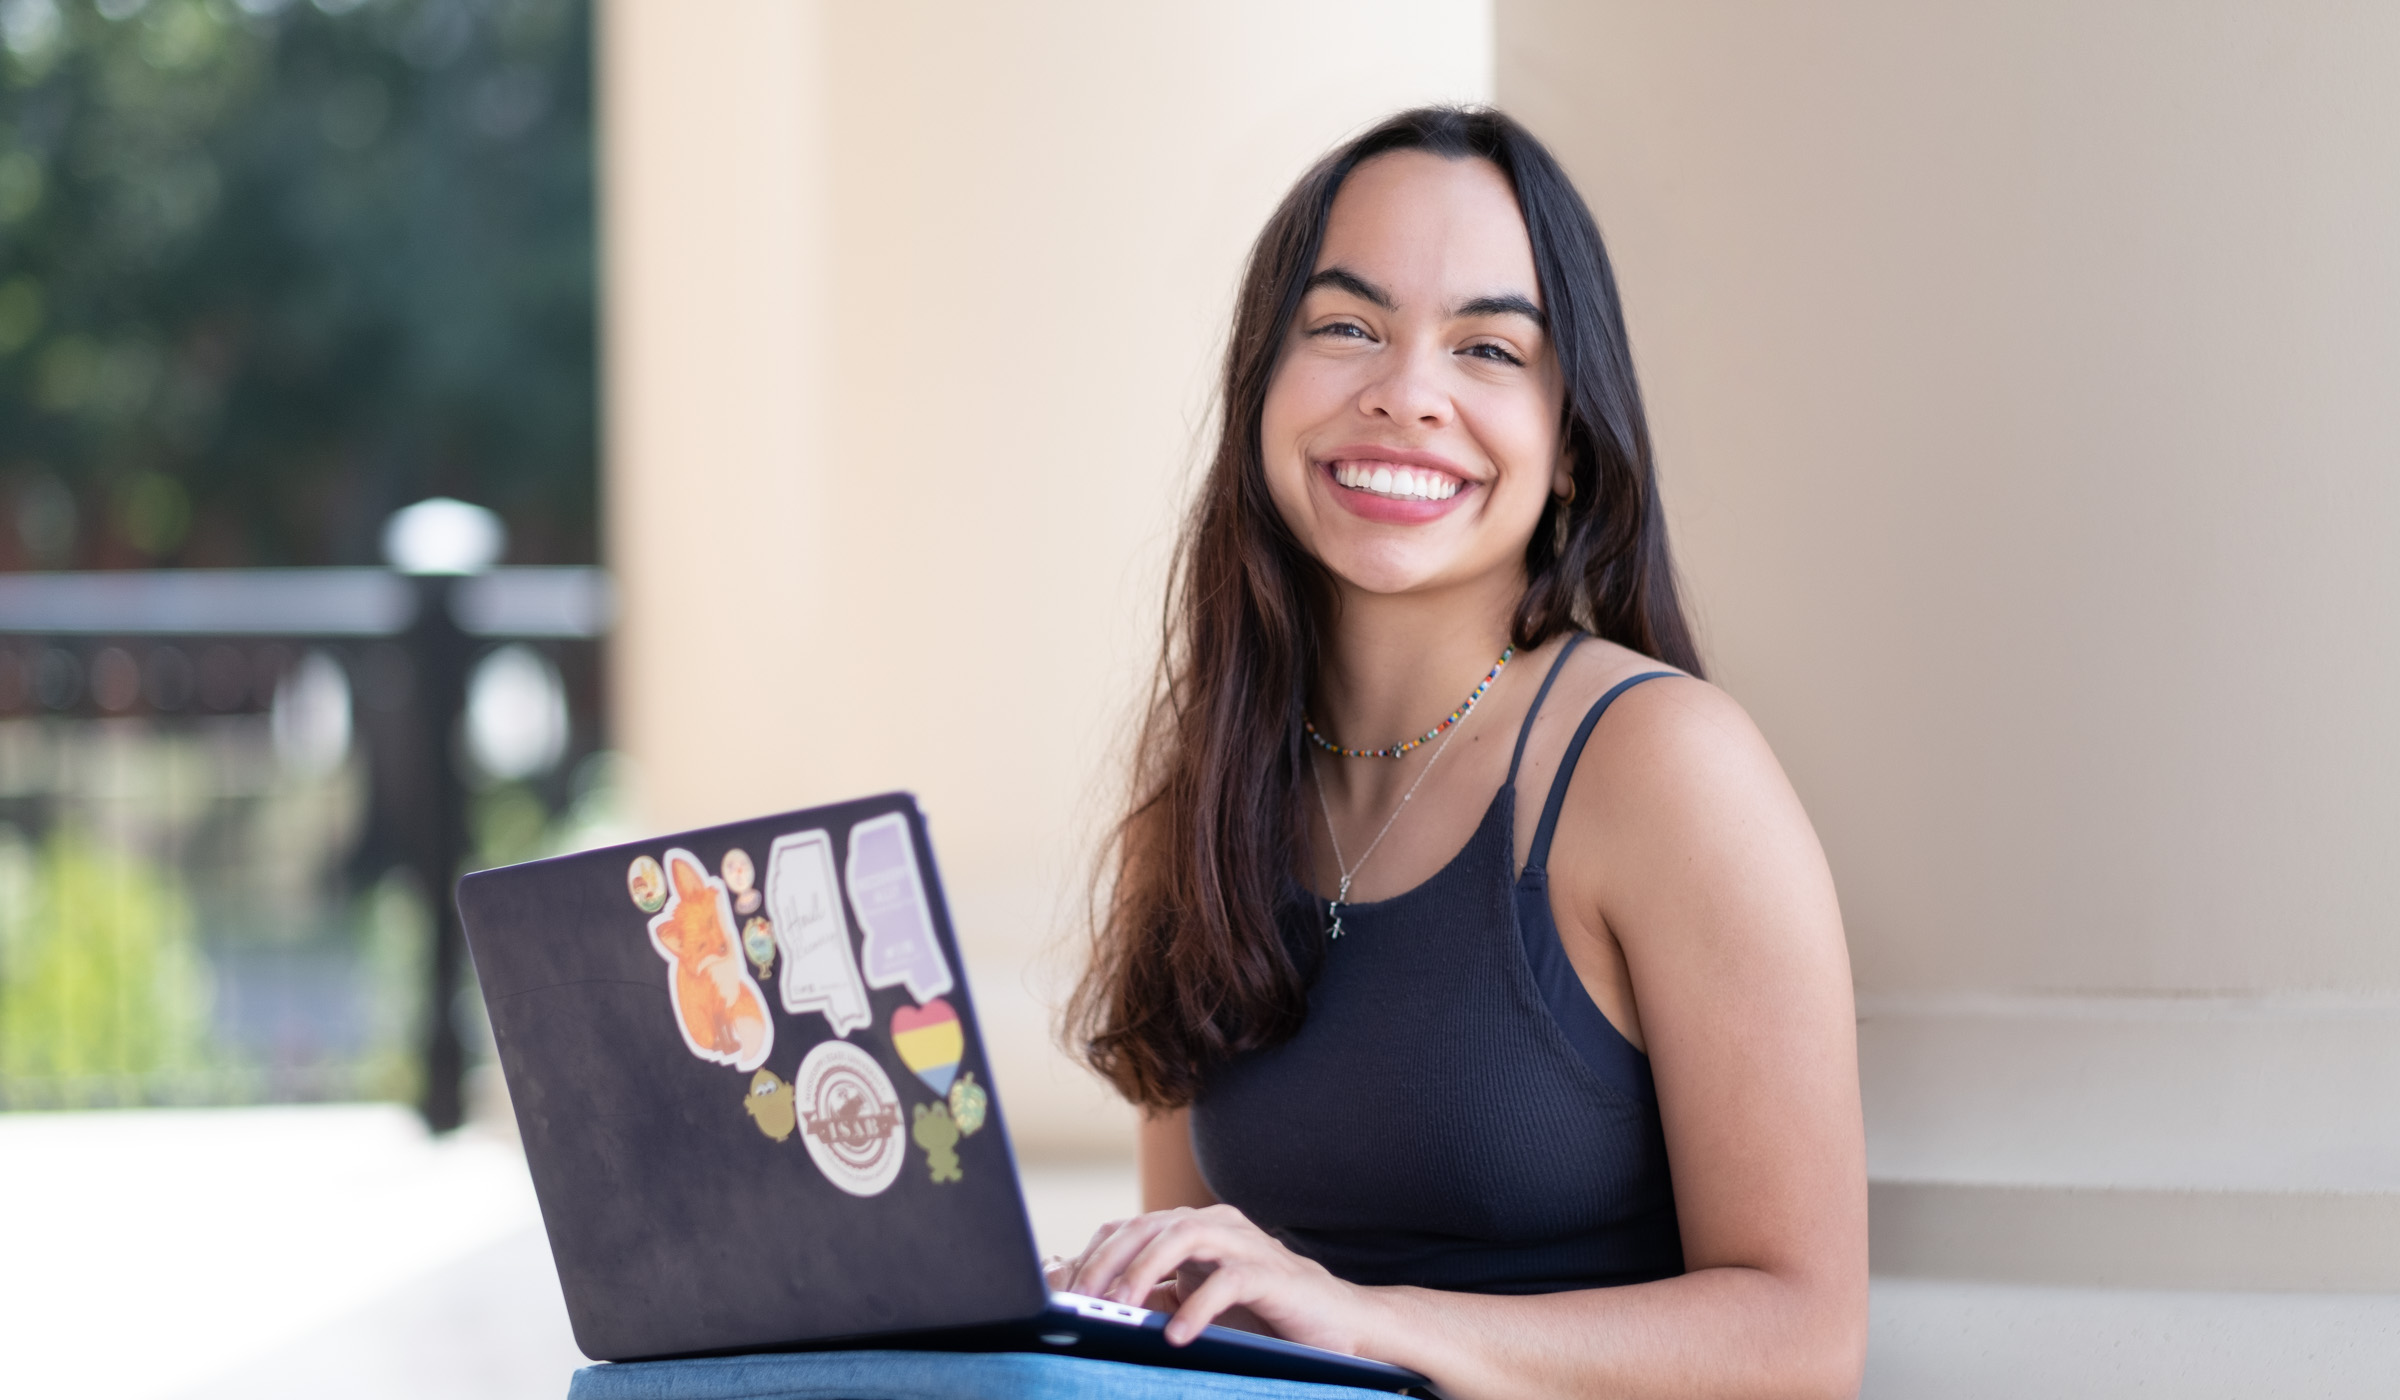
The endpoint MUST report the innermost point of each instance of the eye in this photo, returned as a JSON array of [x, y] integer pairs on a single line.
[[1344, 330], [1497, 354]]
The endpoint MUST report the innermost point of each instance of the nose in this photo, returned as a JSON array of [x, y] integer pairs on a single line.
[[1408, 391]]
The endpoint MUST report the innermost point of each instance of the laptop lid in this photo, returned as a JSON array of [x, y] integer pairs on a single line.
[[746, 1069]]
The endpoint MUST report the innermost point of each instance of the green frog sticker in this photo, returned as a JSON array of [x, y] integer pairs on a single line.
[[937, 1133]]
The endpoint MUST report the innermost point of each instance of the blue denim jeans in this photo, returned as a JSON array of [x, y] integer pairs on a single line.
[[926, 1375]]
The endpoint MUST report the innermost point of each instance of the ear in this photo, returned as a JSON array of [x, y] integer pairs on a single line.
[[691, 882]]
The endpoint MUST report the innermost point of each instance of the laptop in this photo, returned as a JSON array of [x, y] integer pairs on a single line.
[[747, 1073]]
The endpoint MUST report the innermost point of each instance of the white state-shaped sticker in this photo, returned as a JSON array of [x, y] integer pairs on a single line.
[[805, 905], [889, 895]]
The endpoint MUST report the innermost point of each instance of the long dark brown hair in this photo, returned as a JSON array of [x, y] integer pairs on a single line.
[[1188, 966]]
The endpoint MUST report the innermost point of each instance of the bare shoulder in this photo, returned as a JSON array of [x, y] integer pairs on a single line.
[[1666, 722], [1672, 735], [1678, 802]]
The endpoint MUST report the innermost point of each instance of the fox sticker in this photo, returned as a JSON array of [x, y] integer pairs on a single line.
[[718, 1005]]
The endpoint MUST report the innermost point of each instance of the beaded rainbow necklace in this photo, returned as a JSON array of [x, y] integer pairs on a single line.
[[1401, 748]]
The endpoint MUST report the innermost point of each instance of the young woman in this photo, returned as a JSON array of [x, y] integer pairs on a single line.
[[1505, 1037], [1475, 965]]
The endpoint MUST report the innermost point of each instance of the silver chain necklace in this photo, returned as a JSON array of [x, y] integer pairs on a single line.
[[1341, 896]]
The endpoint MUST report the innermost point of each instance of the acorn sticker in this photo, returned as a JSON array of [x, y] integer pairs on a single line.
[[770, 1105], [967, 1104]]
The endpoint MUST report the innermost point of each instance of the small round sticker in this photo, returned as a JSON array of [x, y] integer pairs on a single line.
[[849, 1117], [646, 883], [739, 873], [758, 940], [746, 902]]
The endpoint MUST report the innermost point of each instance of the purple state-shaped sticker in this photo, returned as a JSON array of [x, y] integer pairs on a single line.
[[889, 895]]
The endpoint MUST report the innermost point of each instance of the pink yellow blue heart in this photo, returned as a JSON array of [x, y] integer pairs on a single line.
[[930, 1040]]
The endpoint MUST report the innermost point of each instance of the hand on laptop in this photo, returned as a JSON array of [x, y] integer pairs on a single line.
[[1212, 1265]]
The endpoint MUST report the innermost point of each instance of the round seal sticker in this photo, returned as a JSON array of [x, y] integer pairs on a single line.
[[849, 1117]]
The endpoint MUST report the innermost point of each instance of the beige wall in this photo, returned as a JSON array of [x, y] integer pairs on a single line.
[[912, 312], [2023, 378]]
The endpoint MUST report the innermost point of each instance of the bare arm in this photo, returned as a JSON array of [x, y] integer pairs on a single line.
[[1170, 1177], [1683, 841], [1688, 848]]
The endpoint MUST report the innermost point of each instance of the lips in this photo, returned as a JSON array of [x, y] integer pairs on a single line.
[[1395, 486]]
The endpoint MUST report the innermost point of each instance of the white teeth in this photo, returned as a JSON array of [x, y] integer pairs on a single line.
[[1399, 483]]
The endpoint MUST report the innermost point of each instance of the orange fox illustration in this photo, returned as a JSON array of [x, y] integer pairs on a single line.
[[719, 1008]]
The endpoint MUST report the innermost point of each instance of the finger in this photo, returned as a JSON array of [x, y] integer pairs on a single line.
[[1192, 1240], [1099, 1237], [1107, 1228], [1104, 1263], [1071, 1268], [1226, 1288]]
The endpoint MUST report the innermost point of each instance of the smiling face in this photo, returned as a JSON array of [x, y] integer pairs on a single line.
[[1411, 431]]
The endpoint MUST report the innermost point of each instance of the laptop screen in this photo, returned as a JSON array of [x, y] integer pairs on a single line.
[[745, 1066]]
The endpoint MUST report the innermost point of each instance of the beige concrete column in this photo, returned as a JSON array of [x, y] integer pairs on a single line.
[[715, 234], [913, 314], [2021, 375], [2021, 378]]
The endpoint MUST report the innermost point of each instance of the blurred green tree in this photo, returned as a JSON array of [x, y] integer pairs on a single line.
[[270, 269]]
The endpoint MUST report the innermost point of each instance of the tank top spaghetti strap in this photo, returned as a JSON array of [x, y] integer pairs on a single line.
[[1454, 1111], [1586, 1027]]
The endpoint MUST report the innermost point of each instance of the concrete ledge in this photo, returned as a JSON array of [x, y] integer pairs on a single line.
[[2266, 1241], [1932, 1339]]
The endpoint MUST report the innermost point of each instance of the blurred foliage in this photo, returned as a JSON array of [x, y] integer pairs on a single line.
[[395, 935], [101, 987], [270, 269]]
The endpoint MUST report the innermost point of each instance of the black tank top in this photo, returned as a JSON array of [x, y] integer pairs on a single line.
[[1454, 1112]]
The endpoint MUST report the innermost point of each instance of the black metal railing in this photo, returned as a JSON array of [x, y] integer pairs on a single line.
[[214, 663]]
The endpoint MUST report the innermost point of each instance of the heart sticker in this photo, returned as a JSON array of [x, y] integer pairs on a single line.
[[930, 1041]]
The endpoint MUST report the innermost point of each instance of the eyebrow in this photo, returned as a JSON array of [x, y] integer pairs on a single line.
[[1505, 304], [1342, 279]]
